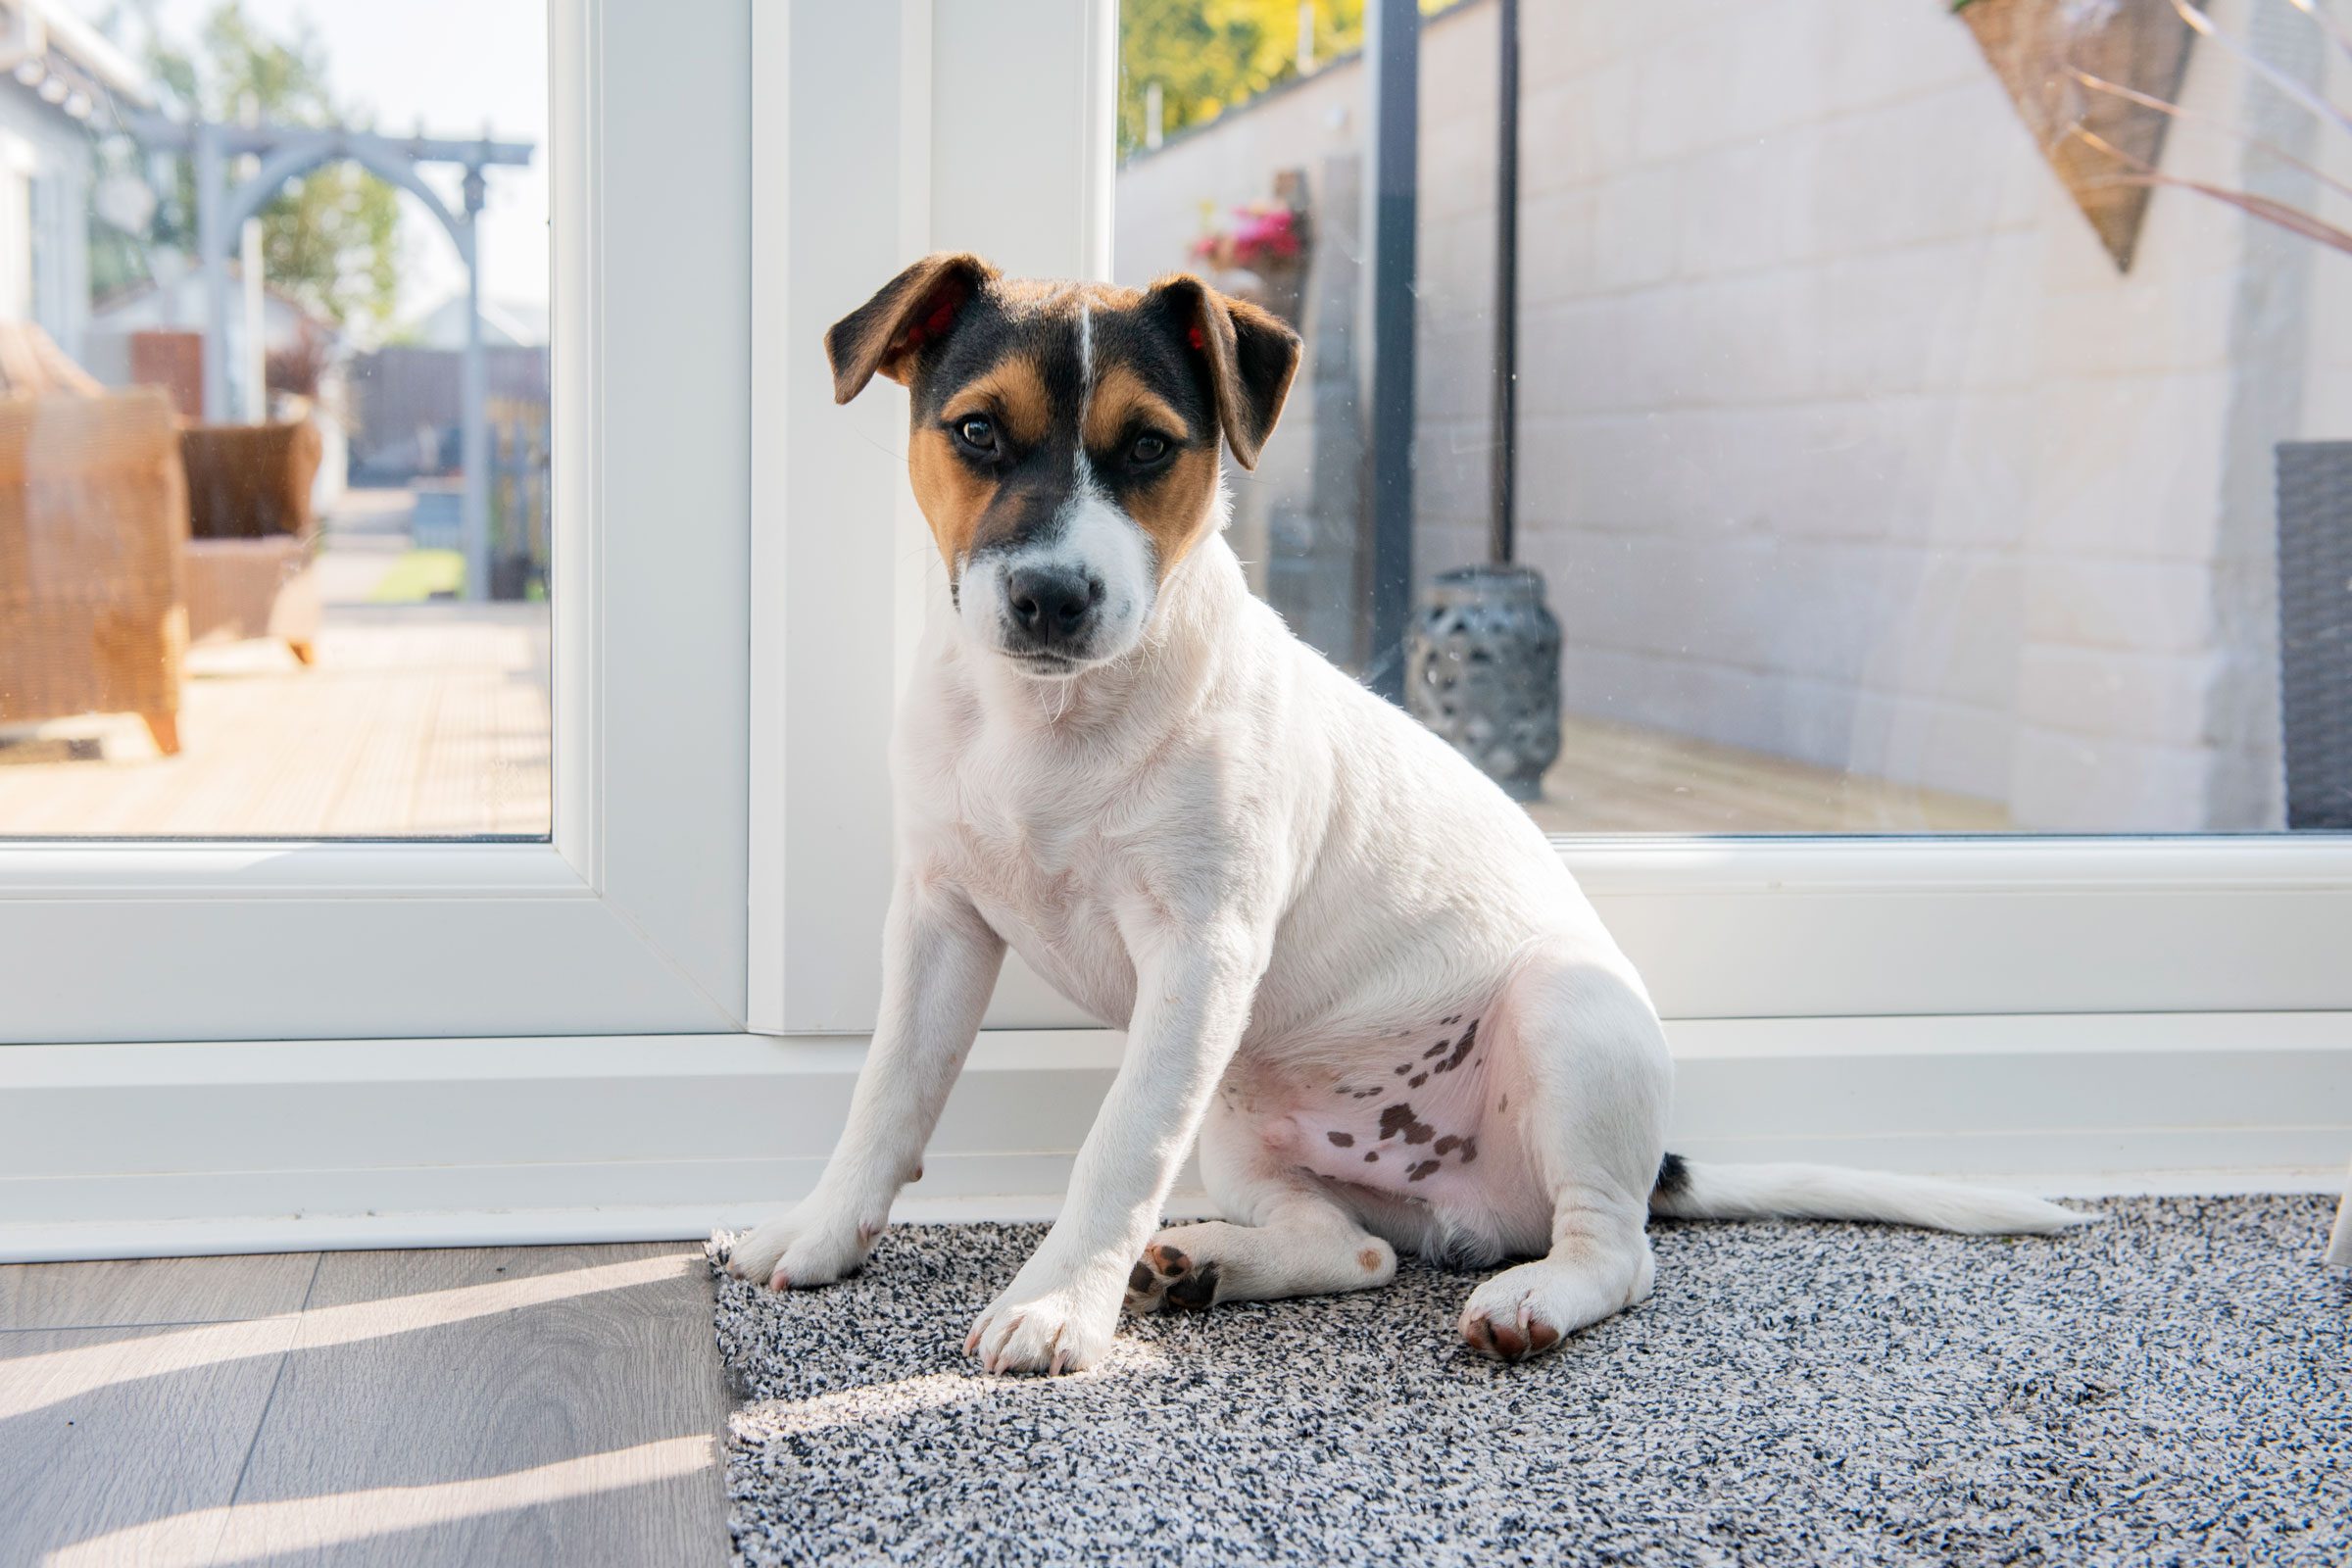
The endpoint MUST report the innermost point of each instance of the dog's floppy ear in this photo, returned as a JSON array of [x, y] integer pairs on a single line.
[[1251, 355], [917, 306]]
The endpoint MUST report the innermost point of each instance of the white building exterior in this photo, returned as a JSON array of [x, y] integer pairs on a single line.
[[1839, 435]]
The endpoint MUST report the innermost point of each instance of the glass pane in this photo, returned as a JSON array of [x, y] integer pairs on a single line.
[[274, 517], [1900, 444]]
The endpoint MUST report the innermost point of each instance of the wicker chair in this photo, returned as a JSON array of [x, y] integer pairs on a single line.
[[252, 542], [93, 518]]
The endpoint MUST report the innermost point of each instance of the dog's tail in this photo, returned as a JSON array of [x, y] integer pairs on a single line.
[[1689, 1191]]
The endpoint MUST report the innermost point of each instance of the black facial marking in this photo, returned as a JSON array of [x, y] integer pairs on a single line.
[[1341, 1140], [1427, 1167], [1674, 1177]]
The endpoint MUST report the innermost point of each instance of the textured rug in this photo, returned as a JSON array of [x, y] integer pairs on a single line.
[[2173, 1386]]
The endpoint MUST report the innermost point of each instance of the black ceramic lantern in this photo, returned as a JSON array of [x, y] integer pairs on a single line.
[[1483, 670]]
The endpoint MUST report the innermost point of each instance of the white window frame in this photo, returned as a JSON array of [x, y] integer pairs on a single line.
[[632, 917], [2077, 1013]]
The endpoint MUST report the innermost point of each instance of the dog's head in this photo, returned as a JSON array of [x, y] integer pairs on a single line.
[[1064, 439]]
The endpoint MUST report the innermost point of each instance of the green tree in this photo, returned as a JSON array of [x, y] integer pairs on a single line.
[[331, 237], [1208, 54]]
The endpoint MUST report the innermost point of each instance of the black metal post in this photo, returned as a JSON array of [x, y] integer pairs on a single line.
[[1393, 56], [1501, 471]]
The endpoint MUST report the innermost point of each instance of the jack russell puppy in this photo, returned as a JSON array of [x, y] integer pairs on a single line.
[[1347, 965]]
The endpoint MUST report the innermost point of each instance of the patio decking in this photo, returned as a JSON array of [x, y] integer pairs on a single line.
[[1620, 779], [418, 720], [430, 720]]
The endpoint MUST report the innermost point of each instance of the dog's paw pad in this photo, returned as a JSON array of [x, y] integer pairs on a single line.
[[1167, 1280], [1195, 1291]]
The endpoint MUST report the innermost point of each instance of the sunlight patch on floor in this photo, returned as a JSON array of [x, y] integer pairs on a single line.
[[248, 1530], [37, 1382]]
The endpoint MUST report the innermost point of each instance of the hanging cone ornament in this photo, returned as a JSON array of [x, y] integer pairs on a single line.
[[2141, 44]]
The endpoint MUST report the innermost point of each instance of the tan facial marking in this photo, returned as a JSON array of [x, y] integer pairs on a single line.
[[1121, 402], [1012, 392], [950, 493]]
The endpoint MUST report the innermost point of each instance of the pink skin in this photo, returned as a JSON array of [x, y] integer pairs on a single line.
[[1454, 1115], [1408, 1122]]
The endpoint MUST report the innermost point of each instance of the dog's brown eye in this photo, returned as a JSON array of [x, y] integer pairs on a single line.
[[1148, 449], [977, 433]]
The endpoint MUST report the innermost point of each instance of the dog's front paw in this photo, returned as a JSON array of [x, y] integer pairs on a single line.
[[814, 1244], [1063, 1329]]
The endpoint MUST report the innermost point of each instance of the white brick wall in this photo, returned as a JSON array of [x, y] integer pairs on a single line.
[[1839, 436]]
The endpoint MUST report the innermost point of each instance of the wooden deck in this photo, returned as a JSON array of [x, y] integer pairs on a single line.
[[1618, 778], [430, 720], [417, 721]]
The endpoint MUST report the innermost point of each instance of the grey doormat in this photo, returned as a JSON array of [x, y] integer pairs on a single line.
[[2173, 1385]]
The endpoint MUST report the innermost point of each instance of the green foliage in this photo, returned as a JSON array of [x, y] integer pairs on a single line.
[[1209, 55], [419, 575], [331, 237]]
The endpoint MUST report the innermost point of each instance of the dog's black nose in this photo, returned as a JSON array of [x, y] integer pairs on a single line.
[[1050, 605]]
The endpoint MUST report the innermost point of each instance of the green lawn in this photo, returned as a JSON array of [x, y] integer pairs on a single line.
[[421, 575]]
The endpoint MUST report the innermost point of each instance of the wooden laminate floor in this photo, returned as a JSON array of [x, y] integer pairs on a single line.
[[506, 1405]]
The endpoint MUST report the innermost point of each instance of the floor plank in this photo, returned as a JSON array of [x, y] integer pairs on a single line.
[[512, 1405], [108, 1430], [156, 1290]]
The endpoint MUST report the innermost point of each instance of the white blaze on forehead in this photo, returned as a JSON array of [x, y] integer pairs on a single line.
[[1086, 392]]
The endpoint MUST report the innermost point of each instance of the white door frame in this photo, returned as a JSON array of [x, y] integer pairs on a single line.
[[633, 917]]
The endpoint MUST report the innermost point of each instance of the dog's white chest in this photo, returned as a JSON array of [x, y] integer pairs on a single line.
[[1044, 879], [1060, 924]]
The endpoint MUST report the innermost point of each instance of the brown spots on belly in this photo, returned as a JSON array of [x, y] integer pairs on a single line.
[[1373, 1157], [1427, 1167], [1447, 1145], [1416, 1080], [1341, 1140], [1462, 1049], [1400, 1119]]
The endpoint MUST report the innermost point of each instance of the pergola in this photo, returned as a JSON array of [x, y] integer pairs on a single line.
[[285, 151]]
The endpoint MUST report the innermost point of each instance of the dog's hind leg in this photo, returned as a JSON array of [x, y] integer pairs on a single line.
[[1590, 1080], [1284, 1234]]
